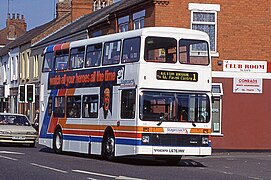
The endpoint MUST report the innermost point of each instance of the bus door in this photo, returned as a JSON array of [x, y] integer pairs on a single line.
[[127, 121]]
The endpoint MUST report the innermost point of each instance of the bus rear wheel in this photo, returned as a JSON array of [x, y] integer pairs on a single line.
[[58, 141], [109, 147]]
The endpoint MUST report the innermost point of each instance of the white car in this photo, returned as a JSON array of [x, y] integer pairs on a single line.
[[16, 128]]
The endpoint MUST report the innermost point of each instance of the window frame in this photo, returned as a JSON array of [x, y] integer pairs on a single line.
[[77, 55], [89, 103], [206, 8], [52, 63], [139, 17], [123, 23], [99, 58], [193, 55], [165, 60], [62, 115], [65, 55], [111, 59], [70, 105], [133, 110], [217, 96], [138, 52]]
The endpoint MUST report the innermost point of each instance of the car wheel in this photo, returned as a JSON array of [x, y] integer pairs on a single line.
[[58, 141], [109, 147]]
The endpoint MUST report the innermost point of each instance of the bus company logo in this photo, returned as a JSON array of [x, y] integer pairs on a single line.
[[85, 78], [177, 130], [177, 76]]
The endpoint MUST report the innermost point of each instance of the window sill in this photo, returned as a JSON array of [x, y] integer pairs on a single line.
[[214, 54], [217, 135]]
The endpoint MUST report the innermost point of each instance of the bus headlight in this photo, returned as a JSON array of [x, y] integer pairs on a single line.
[[205, 140], [145, 139]]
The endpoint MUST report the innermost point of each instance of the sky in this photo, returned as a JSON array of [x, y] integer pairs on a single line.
[[36, 12]]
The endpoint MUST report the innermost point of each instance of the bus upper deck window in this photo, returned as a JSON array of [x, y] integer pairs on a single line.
[[111, 53], [193, 52], [48, 62], [93, 56], [131, 50], [160, 49], [61, 59], [77, 57]]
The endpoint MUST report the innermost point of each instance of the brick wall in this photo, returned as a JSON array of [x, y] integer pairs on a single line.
[[243, 27], [80, 7]]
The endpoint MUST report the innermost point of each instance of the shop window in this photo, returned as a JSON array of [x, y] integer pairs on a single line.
[[128, 104], [204, 18], [217, 93], [138, 19], [73, 107], [90, 106]]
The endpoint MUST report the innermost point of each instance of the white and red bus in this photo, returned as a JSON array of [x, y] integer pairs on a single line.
[[142, 92]]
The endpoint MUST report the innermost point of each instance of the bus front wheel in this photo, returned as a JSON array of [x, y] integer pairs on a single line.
[[109, 147], [58, 141]]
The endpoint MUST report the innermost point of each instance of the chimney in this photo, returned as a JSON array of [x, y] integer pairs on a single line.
[[80, 8], [16, 26], [62, 8], [99, 4]]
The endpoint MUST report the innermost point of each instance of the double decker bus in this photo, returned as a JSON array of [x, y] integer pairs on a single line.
[[142, 92]]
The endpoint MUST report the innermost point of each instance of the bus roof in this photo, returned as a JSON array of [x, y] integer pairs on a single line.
[[149, 31]]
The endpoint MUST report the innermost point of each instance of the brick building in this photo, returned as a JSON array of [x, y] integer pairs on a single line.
[[240, 39], [25, 62], [15, 27]]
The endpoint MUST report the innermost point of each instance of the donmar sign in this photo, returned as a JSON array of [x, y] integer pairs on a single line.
[[85, 78], [177, 76]]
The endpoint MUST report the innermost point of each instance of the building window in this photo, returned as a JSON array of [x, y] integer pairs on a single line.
[[128, 104], [90, 106], [217, 93], [22, 66], [123, 24], [27, 68], [36, 67], [204, 18], [138, 19]]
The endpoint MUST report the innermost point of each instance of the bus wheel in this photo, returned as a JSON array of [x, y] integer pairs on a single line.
[[58, 141], [109, 147]]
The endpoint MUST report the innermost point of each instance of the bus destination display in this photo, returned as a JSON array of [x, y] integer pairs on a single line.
[[177, 76]]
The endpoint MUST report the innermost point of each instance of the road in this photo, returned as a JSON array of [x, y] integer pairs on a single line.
[[22, 162]]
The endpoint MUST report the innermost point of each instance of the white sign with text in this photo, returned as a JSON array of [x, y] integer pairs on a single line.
[[244, 66], [247, 85]]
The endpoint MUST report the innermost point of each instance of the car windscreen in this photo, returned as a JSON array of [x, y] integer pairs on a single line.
[[14, 120]]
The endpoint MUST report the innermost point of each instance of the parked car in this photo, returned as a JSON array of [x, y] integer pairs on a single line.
[[16, 128]]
